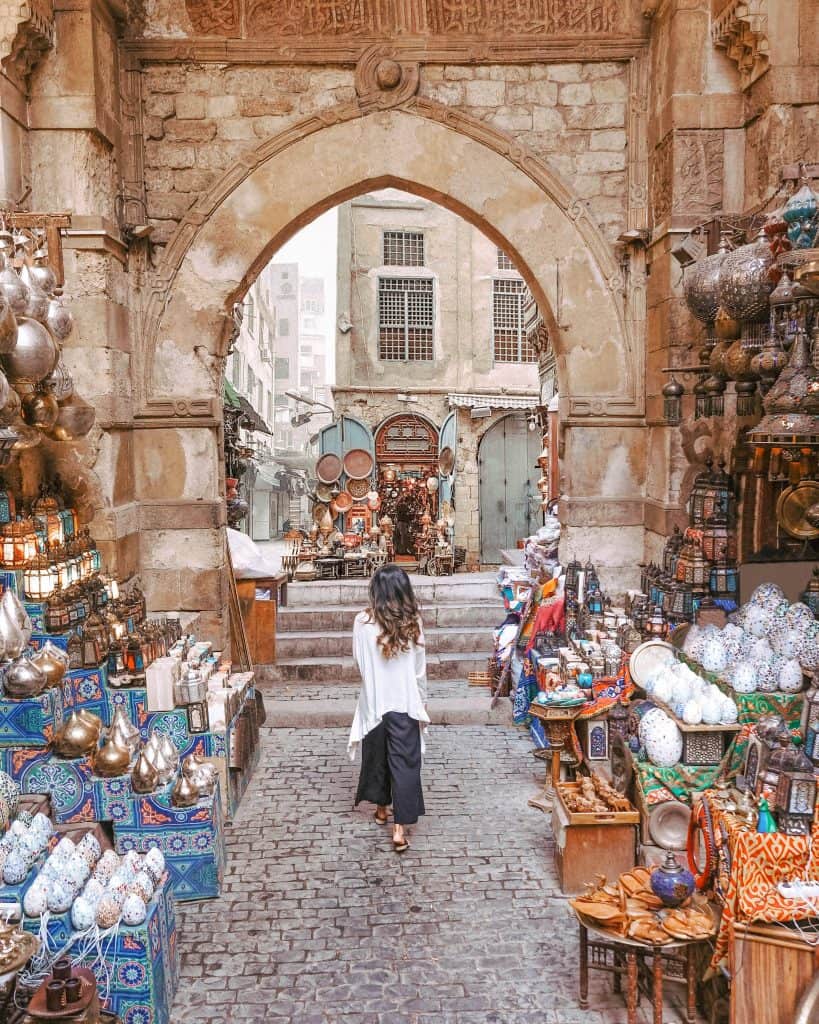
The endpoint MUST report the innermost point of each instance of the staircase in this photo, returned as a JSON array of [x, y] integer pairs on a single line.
[[315, 680]]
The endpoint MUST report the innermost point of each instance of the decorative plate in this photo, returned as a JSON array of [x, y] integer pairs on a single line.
[[358, 464], [647, 658], [668, 824], [792, 507], [328, 468]]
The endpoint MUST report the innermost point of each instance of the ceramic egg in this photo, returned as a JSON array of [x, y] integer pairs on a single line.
[[155, 863], [680, 691], [799, 615], [106, 866], [65, 847], [691, 638], [662, 689], [692, 713], [83, 914], [743, 677], [711, 710], [42, 825], [662, 739], [31, 845], [76, 870], [787, 642], [15, 870], [17, 829], [133, 861], [767, 595], [108, 912], [89, 849], [35, 901], [26, 817], [93, 891], [759, 650], [134, 910], [60, 897], [790, 676], [11, 791], [117, 895], [730, 712], [143, 886], [809, 652], [732, 642], [7, 841], [758, 621], [766, 680], [120, 881]]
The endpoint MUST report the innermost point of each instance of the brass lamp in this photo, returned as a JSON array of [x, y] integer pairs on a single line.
[[40, 578]]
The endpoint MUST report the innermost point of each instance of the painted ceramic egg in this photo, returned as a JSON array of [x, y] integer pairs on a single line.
[[143, 885], [4, 852], [108, 912], [60, 897], [119, 882], [809, 652], [662, 689], [787, 642], [17, 829], [759, 650], [692, 713], [76, 871], [711, 710], [65, 847], [35, 901], [790, 676], [31, 845], [26, 817], [83, 914], [133, 861], [155, 863], [799, 615], [691, 638], [42, 825], [730, 712], [15, 870], [766, 680], [117, 895], [8, 841], [732, 641], [743, 677], [89, 849], [106, 866], [93, 891], [680, 691], [767, 595], [714, 657], [758, 621], [11, 791], [133, 910], [662, 739]]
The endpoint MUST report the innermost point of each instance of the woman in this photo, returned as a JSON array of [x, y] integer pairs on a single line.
[[388, 647]]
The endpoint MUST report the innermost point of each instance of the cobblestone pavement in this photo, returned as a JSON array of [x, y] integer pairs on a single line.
[[321, 923]]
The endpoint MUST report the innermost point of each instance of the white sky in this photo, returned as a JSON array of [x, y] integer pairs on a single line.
[[314, 248]]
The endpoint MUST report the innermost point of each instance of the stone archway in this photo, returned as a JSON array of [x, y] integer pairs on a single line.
[[452, 159]]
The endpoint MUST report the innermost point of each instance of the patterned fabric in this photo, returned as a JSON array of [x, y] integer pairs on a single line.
[[677, 783], [749, 875], [525, 693]]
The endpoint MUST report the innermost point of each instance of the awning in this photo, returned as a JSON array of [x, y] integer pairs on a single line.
[[231, 397], [273, 475], [255, 421], [463, 401]]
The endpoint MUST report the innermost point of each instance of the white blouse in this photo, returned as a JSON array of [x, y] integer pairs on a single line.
[[387, 684]]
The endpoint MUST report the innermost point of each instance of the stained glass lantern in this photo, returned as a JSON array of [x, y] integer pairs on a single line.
[[116, 660], [672, 402], [56, 615], [700, 493], [19, 544], [75, 659], [8, 439], [724, 580], [810, 723], [573, 570], [678, 603], [719, 541], [795, 800], [701, 400], [810, 595], [40, 578], [134, 660], [46, 512], [95, 641], [712, 493], [671, 551], [657, 625], [7, 506], [594, 602], [61, 565], [86, 556], [693, 569]]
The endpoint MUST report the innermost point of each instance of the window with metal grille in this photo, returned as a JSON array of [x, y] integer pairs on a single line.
[[510, 344], [504, 263], [405, 318], [403, 249]]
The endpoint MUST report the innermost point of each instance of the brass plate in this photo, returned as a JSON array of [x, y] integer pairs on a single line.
[[446, 461], [358, 464], [791, 508]]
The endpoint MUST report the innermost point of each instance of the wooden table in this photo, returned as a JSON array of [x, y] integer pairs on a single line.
[[259, 616], [557, 723], [626, 958]]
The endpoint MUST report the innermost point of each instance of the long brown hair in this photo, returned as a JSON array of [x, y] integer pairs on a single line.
[[394, 609]]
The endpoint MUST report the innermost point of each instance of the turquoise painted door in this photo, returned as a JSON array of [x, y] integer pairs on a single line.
[[509, 509]]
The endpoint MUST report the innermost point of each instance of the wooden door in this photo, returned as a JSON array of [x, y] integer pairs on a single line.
[[508, 474]]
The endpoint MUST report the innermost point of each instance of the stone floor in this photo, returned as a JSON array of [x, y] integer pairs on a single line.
[[321, 923]]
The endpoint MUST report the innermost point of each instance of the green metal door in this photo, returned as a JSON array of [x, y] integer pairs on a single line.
[[509, 510]]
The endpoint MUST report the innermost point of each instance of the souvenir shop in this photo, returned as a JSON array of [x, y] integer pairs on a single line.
[[125, 741], [379, 498], [679, 730]]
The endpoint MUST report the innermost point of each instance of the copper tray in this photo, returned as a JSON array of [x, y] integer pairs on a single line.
[[27, 945], [324, 492], [791, 507], [328, 468], [358, 488], [37, 1006], [343, 501], [446, 461], [358, 464]]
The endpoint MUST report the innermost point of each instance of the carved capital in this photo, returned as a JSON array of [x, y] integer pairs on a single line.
[[741, 29], [26, 33], [383, 80]]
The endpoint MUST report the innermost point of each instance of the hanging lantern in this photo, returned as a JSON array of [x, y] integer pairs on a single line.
[[746, 398], [724, 581], [672, 402], [700, 399], [719, 542], [671, 551], [810, 595], [46, 512], [678, 603], [713, 491], [40, 578], [7, 506], [715, 386], [19, 545], [657, 624]]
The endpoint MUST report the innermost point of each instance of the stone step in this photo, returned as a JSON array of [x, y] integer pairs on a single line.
[[472, 708], [459, 589], [332, 643], [332, 618], [333, 670]]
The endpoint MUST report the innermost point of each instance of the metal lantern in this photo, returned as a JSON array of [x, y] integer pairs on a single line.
[[46, 512], [795, 800], [715, 386], [19, 545], [672, 402], [719, 542], [40, 578], [573, 570], [75, 659], [95, 641], [810, 595], [724, 580], [56, 615], [8, 439], [671, 551], [657, 625], [678, 604], [713, 492], [701, 401], [7, 506], [746, 397]]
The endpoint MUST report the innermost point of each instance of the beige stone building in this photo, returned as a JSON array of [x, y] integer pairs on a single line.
[[437, 327], [189, 139]]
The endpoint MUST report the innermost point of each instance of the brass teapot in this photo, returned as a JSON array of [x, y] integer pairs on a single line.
[[144, 777], [51, 661], [111, 759], [24, 678], [78, 736]]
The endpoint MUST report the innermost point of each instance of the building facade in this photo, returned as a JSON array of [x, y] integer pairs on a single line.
[[432, 325]]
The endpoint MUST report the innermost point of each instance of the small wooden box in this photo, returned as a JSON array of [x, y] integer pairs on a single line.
[[771, 966], [587, 845]]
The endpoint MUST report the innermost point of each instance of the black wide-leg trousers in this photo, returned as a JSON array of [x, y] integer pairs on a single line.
[[391, 767]]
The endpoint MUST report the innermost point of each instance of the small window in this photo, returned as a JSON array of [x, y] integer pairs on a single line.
[[403, 249], [250, 313], [251, 382], [284, 328], [504, 263], [510, 344], [405, 318], [282, 368], [237, 370]]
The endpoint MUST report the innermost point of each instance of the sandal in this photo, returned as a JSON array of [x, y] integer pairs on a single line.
[[400, 845], [379, 820]]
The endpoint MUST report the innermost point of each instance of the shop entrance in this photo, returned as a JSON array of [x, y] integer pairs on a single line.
[[406, 452], [509, 500]]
